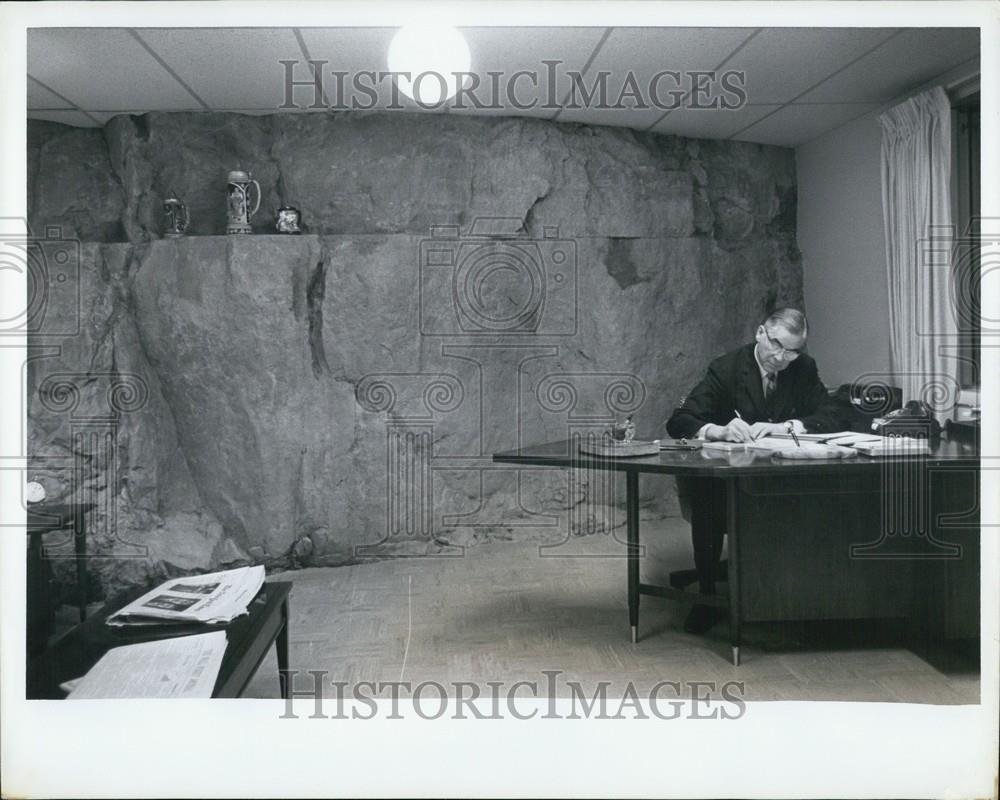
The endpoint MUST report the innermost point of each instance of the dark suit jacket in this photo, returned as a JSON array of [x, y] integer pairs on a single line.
[[733, 384]]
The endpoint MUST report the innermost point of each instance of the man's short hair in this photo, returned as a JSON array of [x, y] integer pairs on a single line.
[[791, 319]]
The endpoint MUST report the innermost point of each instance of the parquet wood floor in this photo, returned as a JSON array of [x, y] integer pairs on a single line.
[[508, 611]]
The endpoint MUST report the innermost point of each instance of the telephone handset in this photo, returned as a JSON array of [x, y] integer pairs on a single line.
[[915, 419]]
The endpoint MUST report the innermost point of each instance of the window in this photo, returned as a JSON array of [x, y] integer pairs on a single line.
[[967, 224]]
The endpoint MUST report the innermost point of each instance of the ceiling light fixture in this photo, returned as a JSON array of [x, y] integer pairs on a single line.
[[431, 54]]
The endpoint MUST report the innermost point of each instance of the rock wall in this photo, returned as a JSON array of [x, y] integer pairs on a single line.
[[464, 285]]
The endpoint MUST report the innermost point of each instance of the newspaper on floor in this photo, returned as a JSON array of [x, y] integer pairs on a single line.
[[214, 598], [181, 667]]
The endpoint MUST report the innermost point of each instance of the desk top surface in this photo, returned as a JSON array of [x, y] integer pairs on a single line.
[[719, 464], [84, 645], [56, 515]]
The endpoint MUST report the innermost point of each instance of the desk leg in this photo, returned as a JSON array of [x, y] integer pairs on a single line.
[[632, 511], [80, 551], [732, 530], [281, 651]]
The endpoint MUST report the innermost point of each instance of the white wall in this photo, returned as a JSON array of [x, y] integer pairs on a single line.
[[840, 234]]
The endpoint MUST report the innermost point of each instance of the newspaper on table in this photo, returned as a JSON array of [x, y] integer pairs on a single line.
[[181, 667], [214, 598]]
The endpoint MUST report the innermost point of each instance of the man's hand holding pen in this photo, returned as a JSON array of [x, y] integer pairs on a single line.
[[738, 430]]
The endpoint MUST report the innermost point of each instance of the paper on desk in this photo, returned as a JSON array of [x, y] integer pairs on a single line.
[[213, 598], [772, 444], [806, 450], [850, 439], [807, 437], [894, 446], [180, 667]]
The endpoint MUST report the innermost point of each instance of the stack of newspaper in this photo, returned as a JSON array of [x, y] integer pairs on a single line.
[[214, 598], [183, 666]]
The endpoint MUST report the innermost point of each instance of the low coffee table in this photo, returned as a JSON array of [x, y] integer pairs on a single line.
[[248, 639]]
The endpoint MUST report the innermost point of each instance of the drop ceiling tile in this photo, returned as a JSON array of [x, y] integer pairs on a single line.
[[350, 50], [797, 124], [512, 50], [75, 118], [645, 52], [230, 68], [103, 68], [711, 124], [40, 97], [913, 57], [780, 63]]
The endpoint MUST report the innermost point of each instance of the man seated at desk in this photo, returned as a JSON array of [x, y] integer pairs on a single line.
[[768, 386]]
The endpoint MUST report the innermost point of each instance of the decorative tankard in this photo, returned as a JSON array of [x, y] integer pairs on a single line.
[[177, 217], [288, 220], [239, 208]]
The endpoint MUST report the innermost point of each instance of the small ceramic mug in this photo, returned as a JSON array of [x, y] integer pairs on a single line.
[[289, 218]]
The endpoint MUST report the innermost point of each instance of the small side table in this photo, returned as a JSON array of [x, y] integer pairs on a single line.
[[248, 640], [44, 519]]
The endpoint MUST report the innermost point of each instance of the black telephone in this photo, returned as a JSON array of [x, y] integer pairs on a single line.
[[914, 419]]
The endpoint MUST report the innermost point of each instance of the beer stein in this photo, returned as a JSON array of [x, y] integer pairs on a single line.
[[177, 217], [288, 220], [623, 431], [238, 204]]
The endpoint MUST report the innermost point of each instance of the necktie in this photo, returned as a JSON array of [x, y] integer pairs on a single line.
[[768, 385]]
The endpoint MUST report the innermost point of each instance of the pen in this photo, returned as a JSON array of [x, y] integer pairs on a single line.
[[791, 430], [739, 416]]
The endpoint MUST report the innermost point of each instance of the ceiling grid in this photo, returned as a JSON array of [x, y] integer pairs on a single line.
[[802, 82]]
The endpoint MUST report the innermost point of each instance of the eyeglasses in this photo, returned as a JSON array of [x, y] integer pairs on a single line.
[[780, 350]]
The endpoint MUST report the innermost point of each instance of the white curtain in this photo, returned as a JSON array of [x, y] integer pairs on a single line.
[[916, 174]]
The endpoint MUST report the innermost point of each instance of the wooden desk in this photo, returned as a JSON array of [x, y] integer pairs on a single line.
[[823, 539], [248, 639]]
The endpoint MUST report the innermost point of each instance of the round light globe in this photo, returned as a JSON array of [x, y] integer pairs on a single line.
[[431, 54], [34, 492]]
